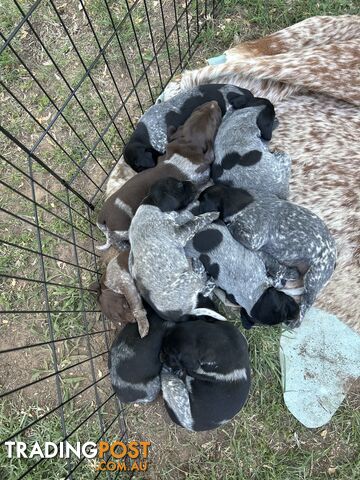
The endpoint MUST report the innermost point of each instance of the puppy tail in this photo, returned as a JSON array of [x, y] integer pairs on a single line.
[[105, 230], [210, 313], [104, 247]]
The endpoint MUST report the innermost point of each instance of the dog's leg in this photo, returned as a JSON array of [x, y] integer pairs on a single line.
[[176, 397], [278, 272], [315, 280], [187, 231], [120, 281], [284, 161], [120, 239]]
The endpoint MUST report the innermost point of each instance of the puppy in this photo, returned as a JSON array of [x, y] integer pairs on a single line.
[[205, 380], [188, 156], [241, 273], [134, 362], [158, 235], [242, 159], [149, 138], [288, 233], [118, 297]]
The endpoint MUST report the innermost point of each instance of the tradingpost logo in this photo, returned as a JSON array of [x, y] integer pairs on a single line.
[[111, 456]]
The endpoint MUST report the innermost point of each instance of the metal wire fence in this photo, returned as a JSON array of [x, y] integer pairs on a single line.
[[75, 78]]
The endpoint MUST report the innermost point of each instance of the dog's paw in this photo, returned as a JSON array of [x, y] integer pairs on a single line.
[[143, 324], [210, 216]]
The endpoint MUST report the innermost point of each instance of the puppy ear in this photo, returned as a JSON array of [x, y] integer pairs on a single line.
[[164, 200], [266, 118], [171, 133], [189, 362], [150, 157], [237, 100], [246, 320], [95, 287], [291, 307], [209, 155]]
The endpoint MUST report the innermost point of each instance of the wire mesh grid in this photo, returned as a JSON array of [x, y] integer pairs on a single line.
[[75, 78]]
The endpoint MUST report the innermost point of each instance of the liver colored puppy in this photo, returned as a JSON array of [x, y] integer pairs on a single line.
[[188, 157]]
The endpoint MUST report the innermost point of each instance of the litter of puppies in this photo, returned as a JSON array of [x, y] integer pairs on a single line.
[[208, 210]]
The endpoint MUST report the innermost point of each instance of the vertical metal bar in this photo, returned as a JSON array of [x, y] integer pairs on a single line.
[[166, 38], [47, 303], [153, 44], [197, 17], [177, 34], [139, 50], [187, 23], [85, 323], [123, 54]]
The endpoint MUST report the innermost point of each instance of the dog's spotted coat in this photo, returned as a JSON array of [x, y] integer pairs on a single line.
[[158, 263], [243, 160], [234, 268], [309, 71], [291, 234]]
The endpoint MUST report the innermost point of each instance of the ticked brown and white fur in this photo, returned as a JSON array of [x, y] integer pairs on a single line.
[[309, 71]]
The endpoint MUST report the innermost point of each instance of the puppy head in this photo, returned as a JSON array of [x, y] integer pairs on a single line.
[[178, 350], [198, 132], [274, 307], [115, 307], [223, 199], [170, 194], [200, 345], [139, 156], [211, 199]]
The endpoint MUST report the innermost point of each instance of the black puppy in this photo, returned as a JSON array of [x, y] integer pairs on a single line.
[[150, 137], [205, 380], [134, 362]]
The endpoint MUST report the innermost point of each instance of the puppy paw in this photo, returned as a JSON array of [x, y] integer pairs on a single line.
[[210, 216], [143, 324]]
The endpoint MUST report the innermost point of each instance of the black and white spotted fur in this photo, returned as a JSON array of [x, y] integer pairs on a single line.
[[150, 137], [242, 274], [289, 233], [206, 376], [242, 158], [134, 362], [158, 234]]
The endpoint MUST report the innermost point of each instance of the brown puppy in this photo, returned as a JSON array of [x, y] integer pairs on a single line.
[[118, 297], [188, 157]]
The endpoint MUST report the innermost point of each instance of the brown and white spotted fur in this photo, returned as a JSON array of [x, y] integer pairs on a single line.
[[310, 71]]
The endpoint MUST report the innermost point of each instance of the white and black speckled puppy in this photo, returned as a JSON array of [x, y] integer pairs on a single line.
[[206, 376], [242, 274], [242, 159], [134, 362], [150, 137], [158, 263], [289, 233]]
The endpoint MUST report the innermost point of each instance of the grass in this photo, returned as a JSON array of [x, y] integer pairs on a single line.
[[48, 429], [264, 442]]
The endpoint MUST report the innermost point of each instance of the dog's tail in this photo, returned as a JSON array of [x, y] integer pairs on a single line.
[[210, 313], [118, 238], [105, 230]]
